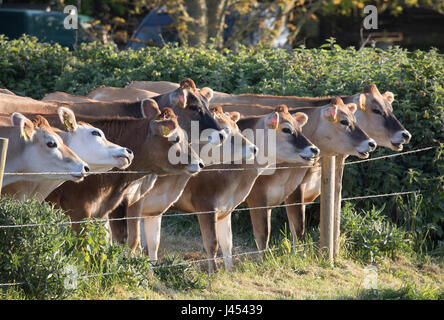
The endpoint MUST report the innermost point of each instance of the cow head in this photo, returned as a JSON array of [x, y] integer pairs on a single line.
[[375, 116]]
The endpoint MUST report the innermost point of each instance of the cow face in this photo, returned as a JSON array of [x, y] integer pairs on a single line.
[[339, 133], [375, 116]]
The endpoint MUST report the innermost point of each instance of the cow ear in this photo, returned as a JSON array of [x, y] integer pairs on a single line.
[[351, 107], [389, 96], [272, 121], [150, 109], [361, 100], [235, 116], [178, 98], [68, 118], [26, 126], [207, 93], [330, 113], [301, 118]]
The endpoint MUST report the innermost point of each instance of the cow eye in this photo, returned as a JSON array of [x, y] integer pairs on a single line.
[[345, 123], [286, 130], [376, 111], [193, 107], [51, 144], [96, 133]]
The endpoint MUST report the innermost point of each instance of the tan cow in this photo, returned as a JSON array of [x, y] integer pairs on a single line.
[[65, 97], [191, 104], [151, 140], [155, 86], [374, 115], [222, 191], [89, 143], [10, 104], [168, 189], [34, 147], [115, 94]]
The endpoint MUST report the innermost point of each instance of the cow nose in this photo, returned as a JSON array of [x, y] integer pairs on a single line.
[[129, 151], [406, 135], [86, 168], [255, 149], [372, 145], [315, 150], [201, 165]]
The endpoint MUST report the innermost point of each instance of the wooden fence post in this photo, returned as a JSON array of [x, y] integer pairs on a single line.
[[327, 206], [339, 164], [3, 151]]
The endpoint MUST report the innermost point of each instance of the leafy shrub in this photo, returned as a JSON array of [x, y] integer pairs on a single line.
[[34, 256], [416, 78], [50, 261], [369, 236]]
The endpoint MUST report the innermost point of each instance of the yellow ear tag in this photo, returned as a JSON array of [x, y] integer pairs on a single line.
[[362, 106], [68, 125], [165, 130]]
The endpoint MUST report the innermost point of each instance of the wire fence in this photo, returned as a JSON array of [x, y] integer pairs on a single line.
[[212, 211], [49, 173]]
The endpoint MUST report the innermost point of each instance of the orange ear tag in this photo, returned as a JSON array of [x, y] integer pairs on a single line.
[[181, 102], [332, 115], [275, 124]]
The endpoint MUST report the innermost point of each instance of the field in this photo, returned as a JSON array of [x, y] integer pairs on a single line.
[[402, 236]]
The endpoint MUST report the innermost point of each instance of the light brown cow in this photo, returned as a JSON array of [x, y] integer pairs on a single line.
[[89, 143], [168, 189], [221, 192], [65, 97], [10, 104], [151, 140], [190, 104], [374, 113], [115, 94], [34, 147], [155, 86]]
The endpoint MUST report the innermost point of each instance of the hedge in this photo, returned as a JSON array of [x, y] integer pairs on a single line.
[[33, 69]]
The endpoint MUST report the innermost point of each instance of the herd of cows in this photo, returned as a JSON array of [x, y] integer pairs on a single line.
[[108, 154]]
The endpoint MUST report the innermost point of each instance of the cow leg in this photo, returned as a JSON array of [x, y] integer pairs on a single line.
[[133, 225], [339, 171], [225, 240], [207, 224], [119, 227], [261, 220], [151, 227], [296, 213]]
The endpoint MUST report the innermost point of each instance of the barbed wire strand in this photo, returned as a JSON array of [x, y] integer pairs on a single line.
[[218, 169]]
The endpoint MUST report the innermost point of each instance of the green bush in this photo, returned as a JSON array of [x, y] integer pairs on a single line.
[[416, 78], [34, 256], [48, 260], [369, 236]]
